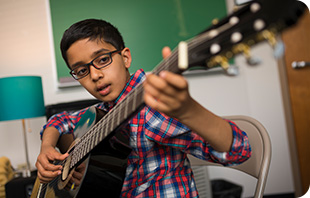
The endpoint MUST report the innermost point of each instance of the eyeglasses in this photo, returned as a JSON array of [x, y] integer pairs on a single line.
[[99, 62]]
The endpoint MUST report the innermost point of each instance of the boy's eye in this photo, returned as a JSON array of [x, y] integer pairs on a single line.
[[102, 60], [81, 71]]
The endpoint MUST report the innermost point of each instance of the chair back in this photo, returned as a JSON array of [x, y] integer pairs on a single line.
[[258, 164]]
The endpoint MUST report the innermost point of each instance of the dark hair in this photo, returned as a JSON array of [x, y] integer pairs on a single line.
[[92, 29]]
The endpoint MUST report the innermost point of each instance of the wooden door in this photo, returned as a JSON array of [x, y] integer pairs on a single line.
[[297, 42]]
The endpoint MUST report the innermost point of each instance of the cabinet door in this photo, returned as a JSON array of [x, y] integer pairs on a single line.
[[297, 43]]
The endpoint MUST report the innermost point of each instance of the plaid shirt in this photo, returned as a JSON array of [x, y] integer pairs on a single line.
[[158, 165]]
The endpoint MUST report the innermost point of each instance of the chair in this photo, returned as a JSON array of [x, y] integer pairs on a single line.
[[258, 164]]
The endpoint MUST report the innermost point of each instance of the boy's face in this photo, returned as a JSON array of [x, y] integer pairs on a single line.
[[107, 83]]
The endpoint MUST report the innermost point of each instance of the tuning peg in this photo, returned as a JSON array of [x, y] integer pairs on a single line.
[[270, 37], [253, 61], [230, 70], [219, 60], [277, 45], [279, 49], [215, 21], [246, 50]]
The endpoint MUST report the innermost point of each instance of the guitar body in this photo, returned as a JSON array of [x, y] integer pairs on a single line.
[[103, 169]]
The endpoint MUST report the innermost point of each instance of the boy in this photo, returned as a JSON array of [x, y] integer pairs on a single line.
[[171, 124]]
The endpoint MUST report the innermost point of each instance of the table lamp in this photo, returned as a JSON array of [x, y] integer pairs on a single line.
[[21, 97]]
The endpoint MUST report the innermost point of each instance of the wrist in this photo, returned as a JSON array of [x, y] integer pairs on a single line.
[[46, 146], [192, 111]]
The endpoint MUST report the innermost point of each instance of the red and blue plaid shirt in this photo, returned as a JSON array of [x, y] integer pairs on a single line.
[[158, 165]]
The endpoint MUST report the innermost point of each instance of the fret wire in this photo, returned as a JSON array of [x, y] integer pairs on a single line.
[[75, 157], [72, 155], [95, 137], [107, 125], [88, 147], [134, 105], [105, 129], [91, 142], [80, 153], [118, 117], [115, 120], [111, 121], [101, 134], [126, 107], [120, 109], [105, 132]]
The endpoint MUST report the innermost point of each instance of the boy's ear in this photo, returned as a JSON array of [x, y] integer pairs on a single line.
[[126, 57]]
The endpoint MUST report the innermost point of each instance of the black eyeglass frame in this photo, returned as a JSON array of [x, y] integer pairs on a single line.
[[92, 64]]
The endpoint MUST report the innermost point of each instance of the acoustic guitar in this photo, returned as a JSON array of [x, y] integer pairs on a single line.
[[99, 150]]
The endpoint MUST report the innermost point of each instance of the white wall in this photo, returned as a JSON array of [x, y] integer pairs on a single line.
[[26, 49]]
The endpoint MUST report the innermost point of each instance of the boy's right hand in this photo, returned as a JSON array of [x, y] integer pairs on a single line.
[[47, 171]]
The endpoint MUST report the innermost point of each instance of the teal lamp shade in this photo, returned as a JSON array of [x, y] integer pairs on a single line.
[[21, 97]]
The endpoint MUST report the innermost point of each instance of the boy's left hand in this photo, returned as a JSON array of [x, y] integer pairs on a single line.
[[168, 92]]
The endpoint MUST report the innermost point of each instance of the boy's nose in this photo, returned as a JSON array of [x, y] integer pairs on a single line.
[[95, 73]]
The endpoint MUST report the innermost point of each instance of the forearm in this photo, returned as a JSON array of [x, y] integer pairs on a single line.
[[50, 137], [212, 128]]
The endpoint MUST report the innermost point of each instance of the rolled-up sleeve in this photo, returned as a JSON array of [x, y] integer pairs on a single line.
[[240, 150], [64, 122]]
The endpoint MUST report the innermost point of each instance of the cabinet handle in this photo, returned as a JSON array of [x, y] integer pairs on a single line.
[[300, 64]]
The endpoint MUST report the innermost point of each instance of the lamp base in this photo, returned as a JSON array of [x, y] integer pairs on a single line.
[[23, 173]]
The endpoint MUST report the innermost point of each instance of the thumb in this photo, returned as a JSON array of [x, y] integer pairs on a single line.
[[58, 156], [63, 156]]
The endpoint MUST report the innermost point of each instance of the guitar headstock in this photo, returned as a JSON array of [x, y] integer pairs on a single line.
[[258, 21]]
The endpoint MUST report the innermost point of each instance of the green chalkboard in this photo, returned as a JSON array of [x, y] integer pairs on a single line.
[[147, 26]]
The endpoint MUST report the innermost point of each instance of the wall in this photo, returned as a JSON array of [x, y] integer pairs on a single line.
[[26, 49]]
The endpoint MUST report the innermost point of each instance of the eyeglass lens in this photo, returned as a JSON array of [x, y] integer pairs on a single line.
[[99, 62]]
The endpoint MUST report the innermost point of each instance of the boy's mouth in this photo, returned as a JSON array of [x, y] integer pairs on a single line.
[[104, 90]]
